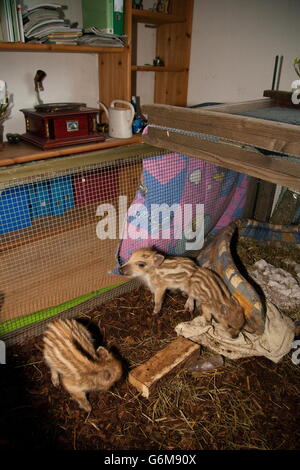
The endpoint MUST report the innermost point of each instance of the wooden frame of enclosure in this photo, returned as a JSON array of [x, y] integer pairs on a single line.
[[237, 131]]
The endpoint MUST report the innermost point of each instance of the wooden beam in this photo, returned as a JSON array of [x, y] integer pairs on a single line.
[[24, 152], [251, 199], [264, 201], [241, 106], [270, 135], [31, 47], [45, 166], [145, 377], [234, 157]]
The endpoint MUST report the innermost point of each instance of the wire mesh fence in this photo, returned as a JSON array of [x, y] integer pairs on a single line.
[[51, 257]]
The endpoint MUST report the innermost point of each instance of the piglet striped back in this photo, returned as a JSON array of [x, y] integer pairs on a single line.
[[206, 286], [68, 345], [176, 269]]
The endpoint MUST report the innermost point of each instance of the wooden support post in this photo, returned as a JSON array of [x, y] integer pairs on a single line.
[[264, 201], [145, 377]]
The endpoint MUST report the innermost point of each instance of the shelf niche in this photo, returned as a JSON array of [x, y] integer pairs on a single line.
[[173, 43]]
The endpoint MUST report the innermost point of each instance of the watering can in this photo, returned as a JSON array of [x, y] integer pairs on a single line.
[[119, 119]]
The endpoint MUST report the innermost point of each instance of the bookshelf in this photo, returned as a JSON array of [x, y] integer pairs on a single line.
[[173, 43], [117, 66]]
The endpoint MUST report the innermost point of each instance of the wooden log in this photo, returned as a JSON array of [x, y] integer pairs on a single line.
[[145, 377]]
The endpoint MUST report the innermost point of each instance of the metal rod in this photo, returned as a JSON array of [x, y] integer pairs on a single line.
[[279, 72], [275, 72]]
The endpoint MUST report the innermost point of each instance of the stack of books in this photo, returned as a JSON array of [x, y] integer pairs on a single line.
[[64, 37], [46, 23], [97, 37]]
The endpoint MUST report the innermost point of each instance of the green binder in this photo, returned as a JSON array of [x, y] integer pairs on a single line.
[[98, 13]]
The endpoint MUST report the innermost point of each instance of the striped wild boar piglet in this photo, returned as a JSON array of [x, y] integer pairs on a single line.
[[70, 354], [201, 285]]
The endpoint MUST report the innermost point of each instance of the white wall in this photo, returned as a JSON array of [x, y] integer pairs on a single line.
[[234, 44]]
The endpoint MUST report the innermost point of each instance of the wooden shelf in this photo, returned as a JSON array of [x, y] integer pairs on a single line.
[[152, 68], [30, 47], [173, 32], [153, 17], [13, 154]]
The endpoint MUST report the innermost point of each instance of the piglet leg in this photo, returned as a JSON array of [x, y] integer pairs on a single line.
[[189, 305], [78, 395], [54, 377], [158, 298], [207, 312]]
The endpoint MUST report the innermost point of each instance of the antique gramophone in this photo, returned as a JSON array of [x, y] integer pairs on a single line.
[[53, 125]]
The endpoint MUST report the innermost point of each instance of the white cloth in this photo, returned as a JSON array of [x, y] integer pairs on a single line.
[[274, 343]]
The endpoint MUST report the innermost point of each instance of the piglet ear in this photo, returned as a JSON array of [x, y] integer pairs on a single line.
[[102, 353], [158, 259]]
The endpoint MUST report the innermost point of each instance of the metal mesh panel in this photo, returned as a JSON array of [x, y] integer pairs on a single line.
[[52, 259], [37, 328], [181, 182], [49, 249]]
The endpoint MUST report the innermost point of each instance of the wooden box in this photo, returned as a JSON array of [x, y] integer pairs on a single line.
[[58, 128]]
